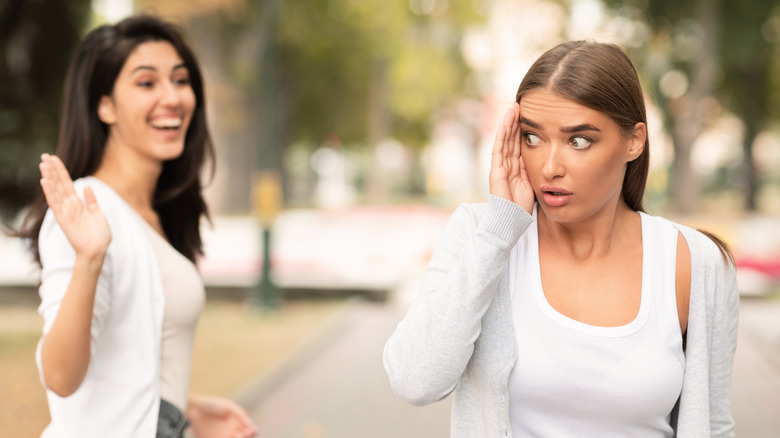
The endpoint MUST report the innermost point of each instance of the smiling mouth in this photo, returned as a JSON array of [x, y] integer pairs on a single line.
[[171, 123]]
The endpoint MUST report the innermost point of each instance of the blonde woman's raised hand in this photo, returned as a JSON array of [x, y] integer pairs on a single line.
[[82, 222], [508, 178]]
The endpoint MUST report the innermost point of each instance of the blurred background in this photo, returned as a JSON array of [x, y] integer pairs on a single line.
[[347, 131]]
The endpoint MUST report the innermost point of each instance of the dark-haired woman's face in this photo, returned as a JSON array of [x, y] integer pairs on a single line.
[[151, 106], [575, 156]]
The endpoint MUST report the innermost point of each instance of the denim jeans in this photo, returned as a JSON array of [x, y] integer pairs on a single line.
[[172, 422]]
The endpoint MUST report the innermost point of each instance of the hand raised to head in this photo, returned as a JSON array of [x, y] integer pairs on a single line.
[[508, 178], [82, 222]]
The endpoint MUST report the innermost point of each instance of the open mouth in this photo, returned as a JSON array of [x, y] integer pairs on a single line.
[[556, 197], [170, 123]]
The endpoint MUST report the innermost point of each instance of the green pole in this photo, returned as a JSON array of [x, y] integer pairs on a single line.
[[267, 196]]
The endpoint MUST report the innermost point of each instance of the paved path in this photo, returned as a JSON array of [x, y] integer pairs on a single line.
[[756, 379], [343, 391], [339, 388]]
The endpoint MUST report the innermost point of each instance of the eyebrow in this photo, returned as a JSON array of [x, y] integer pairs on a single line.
[[148, 67], [569, 129]]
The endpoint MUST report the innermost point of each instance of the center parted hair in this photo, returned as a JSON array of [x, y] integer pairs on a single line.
[[98, 60], [599, 76]]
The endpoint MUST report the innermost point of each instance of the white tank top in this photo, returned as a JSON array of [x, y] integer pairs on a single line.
[[572, 379], [184, 299]]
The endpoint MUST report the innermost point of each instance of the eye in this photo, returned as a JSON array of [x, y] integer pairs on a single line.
[[531, 139], [182, 81], [580, 142], [145, 84]]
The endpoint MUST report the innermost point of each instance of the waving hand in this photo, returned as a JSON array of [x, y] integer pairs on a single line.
[[82, 222]]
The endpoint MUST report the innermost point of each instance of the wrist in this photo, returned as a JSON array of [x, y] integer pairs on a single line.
[[92, 262]]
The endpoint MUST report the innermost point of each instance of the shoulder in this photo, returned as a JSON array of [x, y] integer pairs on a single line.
[[110, 203], [702, 248], [103, 192], [713, 274]]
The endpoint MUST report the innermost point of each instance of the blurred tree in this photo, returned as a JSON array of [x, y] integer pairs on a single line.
[[37, 39], [350, 72], [725, 51]]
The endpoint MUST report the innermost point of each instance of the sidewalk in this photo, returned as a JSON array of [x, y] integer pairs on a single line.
[[337, 387]]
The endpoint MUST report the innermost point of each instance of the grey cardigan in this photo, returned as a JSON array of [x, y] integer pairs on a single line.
[[458, 335]]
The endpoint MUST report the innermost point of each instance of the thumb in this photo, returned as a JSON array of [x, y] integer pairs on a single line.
[[90, 200]]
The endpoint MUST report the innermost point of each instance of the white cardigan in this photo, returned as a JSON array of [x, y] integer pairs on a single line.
[[458, 335], [119, 396]]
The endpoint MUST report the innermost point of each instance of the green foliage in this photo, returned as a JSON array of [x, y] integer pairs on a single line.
[[36, 42], [745, 36], [340, 57]]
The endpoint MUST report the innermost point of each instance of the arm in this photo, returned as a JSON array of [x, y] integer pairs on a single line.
[[66, 346], [430, 348], [215, 417], [723, 344], [705, 402]]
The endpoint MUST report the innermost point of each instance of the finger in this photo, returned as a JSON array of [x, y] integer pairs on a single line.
[[498, 143], [509, 119], [62, 185], [524, 173], [60, 174], [50, 177], [517, 140], [50, 189], [89, 199], [48, 193], [514, 127]]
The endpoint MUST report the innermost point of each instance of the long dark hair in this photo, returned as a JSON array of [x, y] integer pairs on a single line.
[[599, 76], [178, 197], [602, 77]]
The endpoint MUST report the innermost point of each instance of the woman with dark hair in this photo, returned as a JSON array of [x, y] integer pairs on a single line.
[[120, 293], [559, 308]]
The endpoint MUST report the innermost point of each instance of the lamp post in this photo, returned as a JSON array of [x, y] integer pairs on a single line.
[[266, 184], [267, 202]]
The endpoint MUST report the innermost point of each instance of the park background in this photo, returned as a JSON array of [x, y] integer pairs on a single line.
[[347, 131]]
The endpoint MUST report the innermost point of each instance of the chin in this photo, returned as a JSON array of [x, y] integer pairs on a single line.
[[562, 214]]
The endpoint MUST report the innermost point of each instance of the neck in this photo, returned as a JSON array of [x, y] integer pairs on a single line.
[[131, 176], [599, 235]]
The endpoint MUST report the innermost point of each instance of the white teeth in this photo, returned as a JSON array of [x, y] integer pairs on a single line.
[[169, 123]]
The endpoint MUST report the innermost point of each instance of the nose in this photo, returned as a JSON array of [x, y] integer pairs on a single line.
[[553, 166], [170, 94]]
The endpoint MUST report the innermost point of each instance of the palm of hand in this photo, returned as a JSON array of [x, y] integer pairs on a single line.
[[216, 417], [83, 223], [216, 426], [508, 176]]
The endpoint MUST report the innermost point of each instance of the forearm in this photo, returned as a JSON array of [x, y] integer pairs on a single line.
[[429, 349], [65, 351]]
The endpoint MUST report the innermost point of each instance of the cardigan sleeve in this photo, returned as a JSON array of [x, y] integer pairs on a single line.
[[57, 260], [430, 348], [705, 402], [723, 344]]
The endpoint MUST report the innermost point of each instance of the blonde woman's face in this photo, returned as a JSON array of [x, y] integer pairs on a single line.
[[152, 103], [575, 156]]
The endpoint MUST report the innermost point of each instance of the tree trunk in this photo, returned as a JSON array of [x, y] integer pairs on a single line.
[[378, 129], [690, 118], [750, 178]]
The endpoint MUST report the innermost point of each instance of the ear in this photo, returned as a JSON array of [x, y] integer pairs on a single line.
[[636, 142], [106, 111]]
